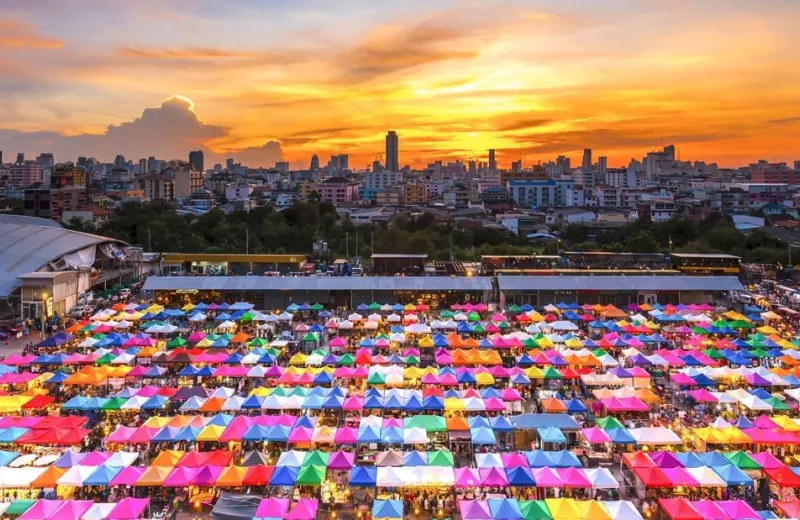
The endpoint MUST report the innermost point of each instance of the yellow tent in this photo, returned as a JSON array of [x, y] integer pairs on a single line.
[[592, 509], [564, 509]]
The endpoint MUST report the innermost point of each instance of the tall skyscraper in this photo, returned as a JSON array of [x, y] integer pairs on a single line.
[[196, 161], [392, 152], [119, 162], [20, 157], [142, 165], [492, 161], [587, 159], [563, 164], [344, 161], [314, 163], [229, 164], [602, 164], [45, 160]]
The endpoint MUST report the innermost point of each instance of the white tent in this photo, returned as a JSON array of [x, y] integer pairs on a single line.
[[415, 436], [622, 510], [601, 478], [654, 436], [389, 476], [75, 476]]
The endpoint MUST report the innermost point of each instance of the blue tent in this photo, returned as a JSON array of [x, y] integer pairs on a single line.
[[102, 476], [387, 509], [415, 458], [564, 459], [57, 377], [157, 402], [7, 456], [501, 424], [505, 509], [256, 432], [166, 434], [221, 419], [732, 475], [575, 406], [284, 476], [253, 402], [743, 423], [433, 402], [11, 434], [188, 434], [539, 459], [276, 433], [520, 476], [476, 421], [483, 436], [690, 459], [393, 435], [620, 436], [414, 403], [368, 435], [69, 459], [364, 476], [76, 403], [551, 434]]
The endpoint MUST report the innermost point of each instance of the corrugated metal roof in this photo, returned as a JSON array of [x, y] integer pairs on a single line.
[[28, 244], [619, 283], [310, 283]]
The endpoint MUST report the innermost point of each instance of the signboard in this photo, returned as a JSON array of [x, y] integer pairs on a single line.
[[48, 307]]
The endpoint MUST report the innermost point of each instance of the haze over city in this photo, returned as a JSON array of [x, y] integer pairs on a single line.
[[264, 81]]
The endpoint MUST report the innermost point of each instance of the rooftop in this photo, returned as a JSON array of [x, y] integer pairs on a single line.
[[619, 283]]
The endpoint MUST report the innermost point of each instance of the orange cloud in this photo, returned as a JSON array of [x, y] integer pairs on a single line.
[[184, 54], [18, 34]]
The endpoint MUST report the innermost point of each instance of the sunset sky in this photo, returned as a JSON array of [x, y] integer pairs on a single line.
[[288, 78]]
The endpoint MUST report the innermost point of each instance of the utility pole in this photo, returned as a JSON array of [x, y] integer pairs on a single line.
[[347, 246]]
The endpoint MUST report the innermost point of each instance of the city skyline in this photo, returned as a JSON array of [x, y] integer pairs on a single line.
[[453, 78]]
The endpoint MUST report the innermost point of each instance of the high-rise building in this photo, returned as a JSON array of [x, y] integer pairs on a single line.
[[20, 157], [229, 164], [563, 164], [472, 167], [196, 160], [142, 165], [314, 163], [377, 166], [492, 161], [344, 161], [796, 163], [119, 162], [392, 151], [602, 164], [1, 157], [24, 174], [587, 160], [45, 160], [516, 166]]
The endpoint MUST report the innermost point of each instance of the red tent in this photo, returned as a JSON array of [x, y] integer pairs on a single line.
[[258, 475], [653, 477], [679, 509], [784, 477]]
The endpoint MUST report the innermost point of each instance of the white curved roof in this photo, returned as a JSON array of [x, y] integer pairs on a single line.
[[27, 244]]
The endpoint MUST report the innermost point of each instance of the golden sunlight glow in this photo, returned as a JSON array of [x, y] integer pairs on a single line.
[[180, 98]]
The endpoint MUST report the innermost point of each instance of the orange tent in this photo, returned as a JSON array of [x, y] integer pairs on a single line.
[[454, 340], [553, 406], [155, 475], [147, 352], [459, 357], [213, 405], [232, 476], [240, 337], [613, 312], [471, 343], [457, 424], [167, 459], [48, 478]]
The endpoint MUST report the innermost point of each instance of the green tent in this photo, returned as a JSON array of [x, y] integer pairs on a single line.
[[529, 343], [226, 337], [213, 337], [115, 403], [247, 316], [411, 360], [446, 314], [742, 460], [534, 510], [430, 423], [514, 308], [272, 351], [383, 335], [298, 391], [376, 378], [258, 342], [176, 342], [346, 359], [608, 423], [504, 325], [777, 404], [105, 359], [479, 329], [551, 373], [317, 307], [311, 475], [98, 336], [440, 458], [598, 352], [280, 391], [310, 338], [19, 506], [316, 458], [713, 353], [473, 316], [374, 306], [759, 353]]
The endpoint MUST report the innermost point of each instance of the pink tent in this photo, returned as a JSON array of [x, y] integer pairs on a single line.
[[498, 317], [595, 435], [129, 509], [128, 476], [546, 477], [467, 478], [767, 460], [338, 341], [301, 435], [474, 510], [703, 396], [42, 510], [122, 434], [493, 477], [510, 394], [95, 458], [341, 460], [71, 509], [353, 403], [682, 379], [207, 476], [272, 508], [346, 435], [514, 460], [680, 477], [196, 337], [764, 421], [738, 509], [304, 509], [494, 404], [143, 435], [710, 510], [574, 478], [181, 476]]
